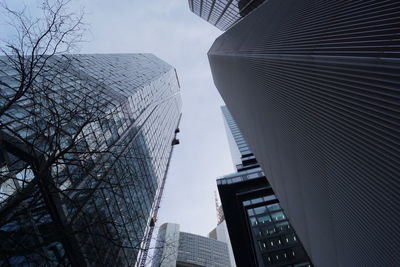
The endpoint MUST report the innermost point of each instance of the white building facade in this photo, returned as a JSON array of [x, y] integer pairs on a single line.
[[180, 249]]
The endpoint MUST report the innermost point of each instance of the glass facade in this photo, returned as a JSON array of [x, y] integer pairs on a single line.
[[223, 13], [273, 234], [246, 194], [175, 248], [115, 117], [202, 251]]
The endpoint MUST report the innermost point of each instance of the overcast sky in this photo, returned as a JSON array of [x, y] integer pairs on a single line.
[[169, 30]]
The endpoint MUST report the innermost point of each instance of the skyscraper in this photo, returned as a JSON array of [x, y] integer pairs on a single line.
[[259, 230], [223, 14], [176, 248], [220, 233], [315, 88], [83, 155]]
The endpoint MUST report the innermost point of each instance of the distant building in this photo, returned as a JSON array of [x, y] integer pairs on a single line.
[[175, 248], [259, 230], [220, 233], [92, 206], [223, 14]]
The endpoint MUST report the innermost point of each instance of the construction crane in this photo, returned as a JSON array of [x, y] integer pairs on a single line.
[[153, 219]]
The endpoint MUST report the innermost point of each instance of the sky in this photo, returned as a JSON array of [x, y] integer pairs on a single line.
[[169, 30]]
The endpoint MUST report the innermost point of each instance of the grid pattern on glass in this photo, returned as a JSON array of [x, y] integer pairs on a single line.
[[10, 236], [202, 251], [272, 232], [137, 104], [241, 176], [223, 13], [237, 135]]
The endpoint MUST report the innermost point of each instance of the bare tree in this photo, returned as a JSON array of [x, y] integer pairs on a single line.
[[35, 41], [74, 169], [72, 157]]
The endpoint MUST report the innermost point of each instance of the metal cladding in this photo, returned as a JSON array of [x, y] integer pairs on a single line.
[[314, 88], [223, 14], [258, 227]]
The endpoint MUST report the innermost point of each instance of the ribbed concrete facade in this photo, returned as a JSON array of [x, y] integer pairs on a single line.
[[314, 88]]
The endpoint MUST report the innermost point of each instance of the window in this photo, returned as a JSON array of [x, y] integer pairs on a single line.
[[260, 210], [264, 219], [246, 203], [237, 179], [277, 216], [250, 212], [262, 245], [7, 188], [269, 230], [253, 221], [274, 207], [279, 256], [270, 197], [24, 176], [256, 201], [274, 242], [253, 175], [290, 239], [282, 226]]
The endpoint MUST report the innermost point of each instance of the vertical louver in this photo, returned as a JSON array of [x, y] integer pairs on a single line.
[[315, 86]]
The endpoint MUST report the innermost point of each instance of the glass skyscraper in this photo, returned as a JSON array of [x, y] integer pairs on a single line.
[[258, 227], [223, 14], [82, 157]]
